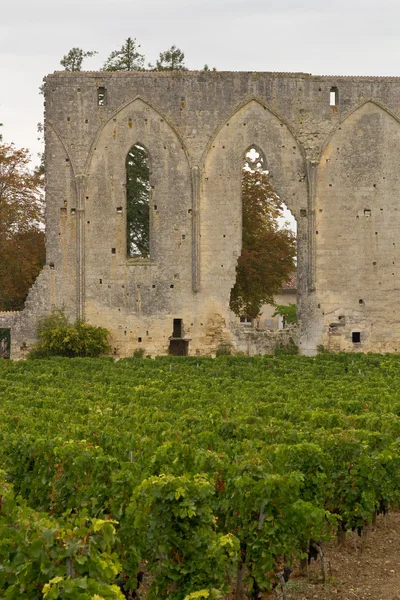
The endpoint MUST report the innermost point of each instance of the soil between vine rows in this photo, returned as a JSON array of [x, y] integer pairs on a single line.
[[373, 574]]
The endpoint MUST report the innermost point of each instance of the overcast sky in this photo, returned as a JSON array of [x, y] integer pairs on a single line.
[[341, 37]]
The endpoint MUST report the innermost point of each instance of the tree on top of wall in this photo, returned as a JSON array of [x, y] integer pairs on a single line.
[[268, 252], [128, 58], [72, 61], [22, 247], [172, 59]]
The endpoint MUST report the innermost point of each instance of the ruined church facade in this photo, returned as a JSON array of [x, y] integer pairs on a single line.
[[332, 147]]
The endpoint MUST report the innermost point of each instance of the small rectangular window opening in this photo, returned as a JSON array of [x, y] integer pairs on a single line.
[[334, 97], [245, 320], [101, 96], [356, 337]]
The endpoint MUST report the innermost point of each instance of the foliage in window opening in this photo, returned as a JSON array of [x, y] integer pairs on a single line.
[[268, 251], [137, 202]]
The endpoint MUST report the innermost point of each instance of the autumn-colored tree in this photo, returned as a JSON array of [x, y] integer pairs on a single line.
[[268, 252], [22, 248]]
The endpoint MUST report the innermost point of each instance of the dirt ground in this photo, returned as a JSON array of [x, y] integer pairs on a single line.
[[371, 573]]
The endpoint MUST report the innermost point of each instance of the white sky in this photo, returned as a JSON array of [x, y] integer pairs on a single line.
[[343, 37]]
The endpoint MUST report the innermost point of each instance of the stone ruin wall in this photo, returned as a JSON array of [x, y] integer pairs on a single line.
[[334, 166]]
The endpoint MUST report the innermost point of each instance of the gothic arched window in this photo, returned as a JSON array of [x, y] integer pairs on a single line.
[[267, 260]]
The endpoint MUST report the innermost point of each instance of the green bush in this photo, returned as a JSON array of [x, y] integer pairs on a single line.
[[58, 337], [322, 350], [224, 349], [139, 353], [289, 348]]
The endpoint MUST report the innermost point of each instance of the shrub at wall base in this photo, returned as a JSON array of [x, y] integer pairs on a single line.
[[58, 337]]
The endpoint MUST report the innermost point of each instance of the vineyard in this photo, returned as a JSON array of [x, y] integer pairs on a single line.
[[188, 478]]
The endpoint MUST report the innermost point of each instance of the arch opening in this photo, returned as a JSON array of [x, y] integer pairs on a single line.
[[264, 293], [138, 190]]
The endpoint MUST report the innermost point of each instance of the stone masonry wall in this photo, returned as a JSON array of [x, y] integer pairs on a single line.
[[335, 166]]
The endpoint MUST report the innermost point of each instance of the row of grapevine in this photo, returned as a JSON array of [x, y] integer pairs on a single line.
[[196, 475]]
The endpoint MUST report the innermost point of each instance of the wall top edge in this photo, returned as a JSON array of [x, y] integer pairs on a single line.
[[211, 75]]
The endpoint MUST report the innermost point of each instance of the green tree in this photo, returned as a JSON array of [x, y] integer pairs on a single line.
[[72, 61], [128, 58], [287, 311], [172, 59], [268, 252]]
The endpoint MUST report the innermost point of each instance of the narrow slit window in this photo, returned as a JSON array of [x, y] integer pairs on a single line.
[[101, 96], [334, 96], [137, 202], [356, 337]]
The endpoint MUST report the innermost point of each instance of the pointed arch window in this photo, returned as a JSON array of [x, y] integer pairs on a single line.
[[268, 252], [137, 202]]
